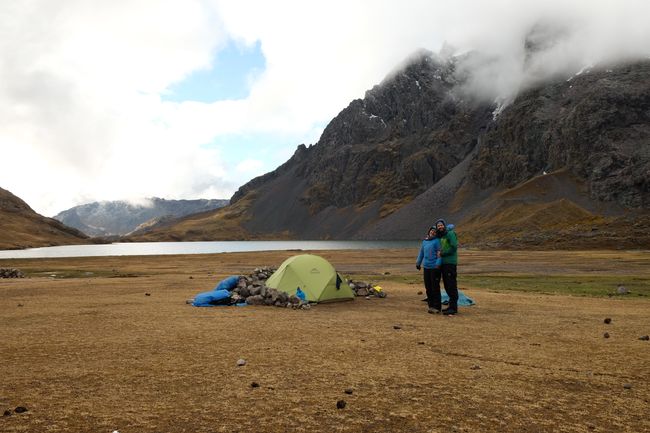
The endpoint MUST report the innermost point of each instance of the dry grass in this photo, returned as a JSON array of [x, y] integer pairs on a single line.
[[88, 351]]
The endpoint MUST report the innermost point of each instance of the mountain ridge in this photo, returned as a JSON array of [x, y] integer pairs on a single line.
[[22, 227], [418, 147], [120, 217]]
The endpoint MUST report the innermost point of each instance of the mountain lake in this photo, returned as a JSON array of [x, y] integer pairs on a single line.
[[169, 248]]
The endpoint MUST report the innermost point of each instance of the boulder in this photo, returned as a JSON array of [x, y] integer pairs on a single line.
[[255, 300], [362, 291]]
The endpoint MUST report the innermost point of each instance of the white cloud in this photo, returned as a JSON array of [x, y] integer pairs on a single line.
[[252, 166], [81, 81]]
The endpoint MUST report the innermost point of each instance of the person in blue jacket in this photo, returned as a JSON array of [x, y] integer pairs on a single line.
[[429, 258]]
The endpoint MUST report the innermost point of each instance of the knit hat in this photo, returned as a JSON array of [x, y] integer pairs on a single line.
[[440, 220]]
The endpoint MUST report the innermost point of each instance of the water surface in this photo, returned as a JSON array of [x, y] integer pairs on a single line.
[[167, 248]]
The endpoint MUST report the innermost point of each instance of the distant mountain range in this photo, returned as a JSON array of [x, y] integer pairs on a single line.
[[116, 218], [564, 165], [21, 227]]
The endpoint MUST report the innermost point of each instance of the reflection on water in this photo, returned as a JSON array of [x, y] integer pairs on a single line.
[[166, 248]]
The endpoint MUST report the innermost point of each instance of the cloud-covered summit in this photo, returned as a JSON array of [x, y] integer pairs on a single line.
[[82, 82]]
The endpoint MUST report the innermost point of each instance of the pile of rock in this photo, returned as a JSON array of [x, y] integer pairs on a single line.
[[252, 290], [361, 288], [11, 273]]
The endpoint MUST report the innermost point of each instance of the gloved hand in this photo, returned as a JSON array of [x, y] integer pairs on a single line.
[[417, 267]]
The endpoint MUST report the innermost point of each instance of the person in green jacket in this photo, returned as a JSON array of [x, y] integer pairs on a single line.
[[449, 256]]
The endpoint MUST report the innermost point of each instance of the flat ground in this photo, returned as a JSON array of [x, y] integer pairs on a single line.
[[85, 350]]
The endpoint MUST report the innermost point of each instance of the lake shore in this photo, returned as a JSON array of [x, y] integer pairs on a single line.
[[108, 343]]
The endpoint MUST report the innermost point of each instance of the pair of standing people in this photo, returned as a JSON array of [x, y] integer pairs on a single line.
[[439, 257]]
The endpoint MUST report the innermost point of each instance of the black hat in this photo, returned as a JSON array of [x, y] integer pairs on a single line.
[[440, 220]]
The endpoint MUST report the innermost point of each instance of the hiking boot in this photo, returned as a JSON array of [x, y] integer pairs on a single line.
[[449, 312], [433, 311]]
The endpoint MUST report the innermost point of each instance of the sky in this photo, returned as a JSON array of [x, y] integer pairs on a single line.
[[126, 99]]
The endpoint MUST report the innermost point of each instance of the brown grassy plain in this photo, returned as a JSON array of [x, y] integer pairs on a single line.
[[85, 350]]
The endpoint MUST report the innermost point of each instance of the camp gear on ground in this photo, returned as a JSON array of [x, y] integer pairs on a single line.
[[463, 299], [228, 283], [212, 298], [314, 275], [300, 294]]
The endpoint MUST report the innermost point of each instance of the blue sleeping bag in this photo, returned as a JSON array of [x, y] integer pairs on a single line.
[[210, 299], [228, 284]]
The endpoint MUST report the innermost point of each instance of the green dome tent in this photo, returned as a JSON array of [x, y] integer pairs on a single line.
[[314, 275]]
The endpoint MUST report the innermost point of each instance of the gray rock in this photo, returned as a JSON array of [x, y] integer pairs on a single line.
[[607, 320], [241, 362], [245, 292], [255, 300], [349, 391], [627, 386], [341, 404], [606, 335], [11, 273], [273, 294], [645, 338], [622, 290], [362, 291]]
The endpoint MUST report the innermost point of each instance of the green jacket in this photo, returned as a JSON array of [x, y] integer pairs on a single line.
[[449, 248]]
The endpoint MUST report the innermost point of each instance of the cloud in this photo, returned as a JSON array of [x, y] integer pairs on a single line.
[[82, 83], [524, 43], [250, 165]]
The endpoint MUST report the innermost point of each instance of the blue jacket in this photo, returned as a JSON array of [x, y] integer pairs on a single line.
[[428, 256]]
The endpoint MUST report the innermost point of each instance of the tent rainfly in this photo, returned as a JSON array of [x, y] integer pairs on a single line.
[[314, 275]]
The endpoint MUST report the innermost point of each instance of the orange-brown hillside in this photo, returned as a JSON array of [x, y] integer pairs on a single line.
[[554, 211], [21, 227]]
